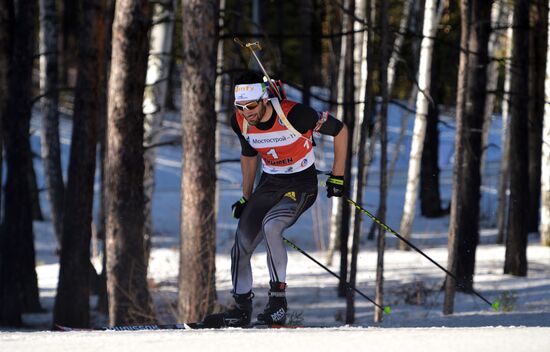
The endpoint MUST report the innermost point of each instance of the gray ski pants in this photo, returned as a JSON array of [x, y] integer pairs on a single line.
[[275, 205]]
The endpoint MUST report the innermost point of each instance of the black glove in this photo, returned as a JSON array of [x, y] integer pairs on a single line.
[[238, 207], [335, 186]]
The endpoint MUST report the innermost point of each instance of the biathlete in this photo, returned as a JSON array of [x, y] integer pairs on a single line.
[[282, 133]]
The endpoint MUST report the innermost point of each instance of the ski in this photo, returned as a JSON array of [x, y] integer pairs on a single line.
[[183, 326], [131, 327]]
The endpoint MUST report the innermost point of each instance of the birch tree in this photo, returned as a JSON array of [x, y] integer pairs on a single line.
[[419, 130], [544, 227], [129, 298], [196, 282], [50, 147], [158, 75]]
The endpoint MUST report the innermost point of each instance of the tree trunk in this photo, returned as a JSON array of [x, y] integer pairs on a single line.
[[102, 302], [129, 298], [545, 162], [51, 153], [6, 14], [479, 20], [398, 44], [464, 234], [69, 28], [366, 90], [73, 289], [158, 68], [19, 286], [499, 13], [197, 282], [419, 131], [504, 177], [381, 243], [349, 119], [458, 169], [515, 262], [537, 70], [10, 304], [430, 199]]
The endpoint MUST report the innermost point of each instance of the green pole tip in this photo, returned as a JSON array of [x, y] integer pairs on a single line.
[[387, 310], [496, 305]]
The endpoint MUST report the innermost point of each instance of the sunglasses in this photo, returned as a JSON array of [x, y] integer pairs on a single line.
[[248, 106]]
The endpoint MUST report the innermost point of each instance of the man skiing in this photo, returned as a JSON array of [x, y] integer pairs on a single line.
[[282, 132]]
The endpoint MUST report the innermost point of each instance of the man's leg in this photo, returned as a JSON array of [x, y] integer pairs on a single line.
[[280, 217], [248, 236]]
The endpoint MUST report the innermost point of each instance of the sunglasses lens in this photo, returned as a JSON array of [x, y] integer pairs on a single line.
[[248, 106]]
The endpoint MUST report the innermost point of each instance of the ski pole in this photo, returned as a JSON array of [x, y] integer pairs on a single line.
[[494, 305], [385, 309], [252, 47]]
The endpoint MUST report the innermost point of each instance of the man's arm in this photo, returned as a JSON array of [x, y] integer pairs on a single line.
[[340, 152], [249, 164]]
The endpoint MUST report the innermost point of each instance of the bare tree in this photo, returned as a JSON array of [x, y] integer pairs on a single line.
[[129, 298], [158, 70], [537, 69], [544, 227], [6, 12], [197, 282], [10, 305], [499, 14], [50, 147], [419, 131], [464, 227], [346, 110], [515, 262], [366, 90], [381, 242], [18, 280], [504, 174], [73, 288]]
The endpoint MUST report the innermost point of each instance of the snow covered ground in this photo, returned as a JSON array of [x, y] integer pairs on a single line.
[[412, 284]]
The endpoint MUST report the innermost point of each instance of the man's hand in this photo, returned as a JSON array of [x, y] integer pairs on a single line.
[[335, 186], [238, 207]]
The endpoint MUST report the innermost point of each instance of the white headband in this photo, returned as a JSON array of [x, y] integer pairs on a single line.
[[245, 92]]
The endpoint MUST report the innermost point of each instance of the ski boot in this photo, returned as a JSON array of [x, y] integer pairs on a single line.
[[237, 316], [276, 308]]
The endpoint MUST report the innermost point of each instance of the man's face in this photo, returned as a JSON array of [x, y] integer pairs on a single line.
[[252, 110]]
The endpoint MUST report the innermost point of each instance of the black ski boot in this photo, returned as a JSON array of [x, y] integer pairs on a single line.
[[237, 316], [276, 308]]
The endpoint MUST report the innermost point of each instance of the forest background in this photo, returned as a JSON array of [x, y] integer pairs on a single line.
[[115, 68]]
